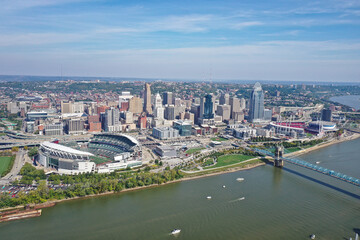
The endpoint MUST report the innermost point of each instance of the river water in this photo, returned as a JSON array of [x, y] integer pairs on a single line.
[[348, 100], [289, 203]]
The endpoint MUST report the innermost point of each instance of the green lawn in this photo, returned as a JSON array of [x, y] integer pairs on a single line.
[[230, 159], [4, 164], [219, 139], [194, 150], [292, 149]]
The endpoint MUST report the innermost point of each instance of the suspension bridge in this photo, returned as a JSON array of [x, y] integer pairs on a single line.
[[278, 158]]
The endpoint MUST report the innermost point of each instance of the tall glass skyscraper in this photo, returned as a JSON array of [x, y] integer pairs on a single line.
[[256, 108], [208, 107]]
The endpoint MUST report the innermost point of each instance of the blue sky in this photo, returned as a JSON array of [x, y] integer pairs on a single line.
[[202, 40]]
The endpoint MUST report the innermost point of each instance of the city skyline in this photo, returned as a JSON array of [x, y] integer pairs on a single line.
[[299, 41]]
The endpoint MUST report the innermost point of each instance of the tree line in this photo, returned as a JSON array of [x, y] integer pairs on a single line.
[[82, 184]]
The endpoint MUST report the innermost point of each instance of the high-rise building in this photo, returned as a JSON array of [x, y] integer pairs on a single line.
[[159, 113], [158, 101], [242, 103], [72, 107], [235, 106], [208, 107], [224, 99], [112, 122], [147, 99], [167, 98], [75, 126], [170, 112], [326, 115], [66, 107], [135, 105], [224, 111], [256, 106]]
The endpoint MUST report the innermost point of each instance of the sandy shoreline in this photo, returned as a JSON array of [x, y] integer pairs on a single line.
[[228, 170]]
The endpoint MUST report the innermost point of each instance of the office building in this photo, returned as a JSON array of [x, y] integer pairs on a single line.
[[111, 121], [256, 106], [242, 104], [267, 114], [54, 129], [142, 121], [168, 98], [147, 99], [169, 112], [184, 127], [75, 126], [164, 133], [326, 115], [135, 105], [165, 151], [208, 107], [224, 111], [235, 106], [224, 99]]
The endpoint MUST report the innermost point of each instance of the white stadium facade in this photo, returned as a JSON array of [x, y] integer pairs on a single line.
[[123, 151], [64, 159]]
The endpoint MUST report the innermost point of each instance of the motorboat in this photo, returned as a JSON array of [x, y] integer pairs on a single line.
[[175, 231], [224, 186], [208, 197], [317, 162], [312, 236], [240, 179]]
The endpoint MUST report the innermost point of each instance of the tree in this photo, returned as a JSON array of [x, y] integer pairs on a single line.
[[15, 149], [33, 152]]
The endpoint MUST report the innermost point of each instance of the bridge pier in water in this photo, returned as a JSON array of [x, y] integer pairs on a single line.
[[279, 152]]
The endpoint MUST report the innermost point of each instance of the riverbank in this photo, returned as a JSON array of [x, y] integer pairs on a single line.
[[322, 145], [246, 165]]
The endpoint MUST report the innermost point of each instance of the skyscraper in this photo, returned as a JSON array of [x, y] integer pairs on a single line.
[[224, 99], [135, 105], [235, 106], [112, 122], [256, 106], [158, 101], [208, 107], [147, 99], [167, 98]]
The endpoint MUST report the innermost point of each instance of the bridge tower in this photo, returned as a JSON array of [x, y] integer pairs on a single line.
[[279, 152]]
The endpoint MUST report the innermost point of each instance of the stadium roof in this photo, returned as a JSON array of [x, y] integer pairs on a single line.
[[63, 148], [132, 139]]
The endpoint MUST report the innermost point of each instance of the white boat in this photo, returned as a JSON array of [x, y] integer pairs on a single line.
[[239, 179], [175, 231], [208, 197], [317, 162], [357, 236], [312, 236], [224, 186]]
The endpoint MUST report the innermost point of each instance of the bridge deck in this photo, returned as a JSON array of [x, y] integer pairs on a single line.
[[314, 167]]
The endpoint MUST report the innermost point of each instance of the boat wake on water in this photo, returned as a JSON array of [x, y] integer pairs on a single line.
[[238, 199]]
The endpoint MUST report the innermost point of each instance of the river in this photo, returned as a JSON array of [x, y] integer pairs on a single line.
[[348, 100], [289, 203]]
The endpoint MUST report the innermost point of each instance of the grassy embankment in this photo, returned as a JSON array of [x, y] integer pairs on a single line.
[[230, 159], [194, 150], [227, 168], [6, 163]]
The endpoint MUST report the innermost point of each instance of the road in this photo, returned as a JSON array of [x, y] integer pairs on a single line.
[[18, 163]]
